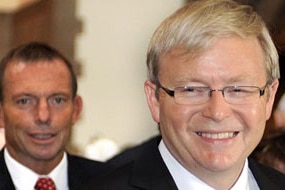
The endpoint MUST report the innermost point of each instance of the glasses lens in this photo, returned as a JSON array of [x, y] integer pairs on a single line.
[[191, 95], [232, 95], [241, 94]]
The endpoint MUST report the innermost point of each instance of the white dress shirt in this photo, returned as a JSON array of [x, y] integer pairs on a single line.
[[25, 179], [185, 180]]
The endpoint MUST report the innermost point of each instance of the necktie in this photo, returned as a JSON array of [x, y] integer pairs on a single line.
[[45, 183]]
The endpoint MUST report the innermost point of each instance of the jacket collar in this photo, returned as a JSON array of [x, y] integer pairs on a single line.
[[149, 171]]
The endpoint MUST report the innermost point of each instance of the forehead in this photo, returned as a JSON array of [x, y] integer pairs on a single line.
[[46, 74], [22, 64], [55, 66], [226, 59]]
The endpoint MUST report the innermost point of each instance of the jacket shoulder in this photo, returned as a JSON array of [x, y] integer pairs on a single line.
[[87, 166], [267, 177]]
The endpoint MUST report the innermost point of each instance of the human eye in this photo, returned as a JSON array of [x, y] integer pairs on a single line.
[[239, 91], [193, 91], [22, 101], [57, 100], [25, 102]]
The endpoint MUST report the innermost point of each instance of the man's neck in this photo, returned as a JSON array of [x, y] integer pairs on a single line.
[[38, 165], [191, 177]]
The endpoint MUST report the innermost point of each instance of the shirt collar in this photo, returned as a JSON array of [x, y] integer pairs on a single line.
[[25, 178], [186, 180]]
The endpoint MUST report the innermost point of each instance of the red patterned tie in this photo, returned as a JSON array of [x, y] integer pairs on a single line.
[[45, 183]]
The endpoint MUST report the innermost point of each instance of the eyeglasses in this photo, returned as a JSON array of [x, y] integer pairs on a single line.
[[194, 95]]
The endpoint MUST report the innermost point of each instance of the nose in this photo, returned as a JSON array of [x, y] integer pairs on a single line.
[[43, 111], [215, 90], [216, 108]]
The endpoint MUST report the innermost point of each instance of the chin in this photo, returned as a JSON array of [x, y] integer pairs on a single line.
[[221, 162]]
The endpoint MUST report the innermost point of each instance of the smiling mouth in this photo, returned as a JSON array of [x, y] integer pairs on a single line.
[[42, 136], [224, 135]]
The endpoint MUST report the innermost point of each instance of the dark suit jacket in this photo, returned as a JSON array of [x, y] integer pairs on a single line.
[[148, 171], [80, 171]]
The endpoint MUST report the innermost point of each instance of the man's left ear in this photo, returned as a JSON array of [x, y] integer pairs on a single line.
[[78, 104], [272, 92]]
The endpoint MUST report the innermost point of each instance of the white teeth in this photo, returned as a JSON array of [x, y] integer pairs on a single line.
[[217, 135], [43, 136]]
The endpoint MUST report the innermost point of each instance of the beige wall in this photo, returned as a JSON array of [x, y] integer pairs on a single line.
[[112, 51]]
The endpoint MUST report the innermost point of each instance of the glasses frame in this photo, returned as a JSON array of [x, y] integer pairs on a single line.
[[172, 92]]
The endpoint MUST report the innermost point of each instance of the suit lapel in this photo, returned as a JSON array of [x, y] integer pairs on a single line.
[[74, 175], [150, 172], [266, 178], [5, 178]]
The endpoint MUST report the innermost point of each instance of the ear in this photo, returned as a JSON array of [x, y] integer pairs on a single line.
[[78, 104], [152, 101], [272, 92]]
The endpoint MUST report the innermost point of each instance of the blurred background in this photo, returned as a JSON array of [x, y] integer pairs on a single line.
[[107, 42]]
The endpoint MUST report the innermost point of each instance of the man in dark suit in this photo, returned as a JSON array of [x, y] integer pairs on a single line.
[[38, 107], [142, 167], [80, 171], [212, 77]]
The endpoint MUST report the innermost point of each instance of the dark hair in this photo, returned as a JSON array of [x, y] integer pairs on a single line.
[[31, 53]]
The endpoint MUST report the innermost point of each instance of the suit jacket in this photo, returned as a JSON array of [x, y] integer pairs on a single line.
[[80, 171], [148, 171]]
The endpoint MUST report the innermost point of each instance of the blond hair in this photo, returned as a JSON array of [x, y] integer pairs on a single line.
[[198, 24]]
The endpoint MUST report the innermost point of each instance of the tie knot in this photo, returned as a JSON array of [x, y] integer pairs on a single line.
[[45, 183]]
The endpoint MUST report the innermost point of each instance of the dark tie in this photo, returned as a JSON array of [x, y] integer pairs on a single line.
[[45, 183]]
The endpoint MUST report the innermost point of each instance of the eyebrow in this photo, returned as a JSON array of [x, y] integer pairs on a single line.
[[234, 79]]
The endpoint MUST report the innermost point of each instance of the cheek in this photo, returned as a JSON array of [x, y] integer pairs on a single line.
[[63, 117], [64, 134], [254, 128], [15, 128], [13, 115], [251, 116], [16, 121], [62, 125], [175, 116]]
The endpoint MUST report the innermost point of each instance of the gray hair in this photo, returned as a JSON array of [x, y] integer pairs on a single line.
[[197, 25]]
